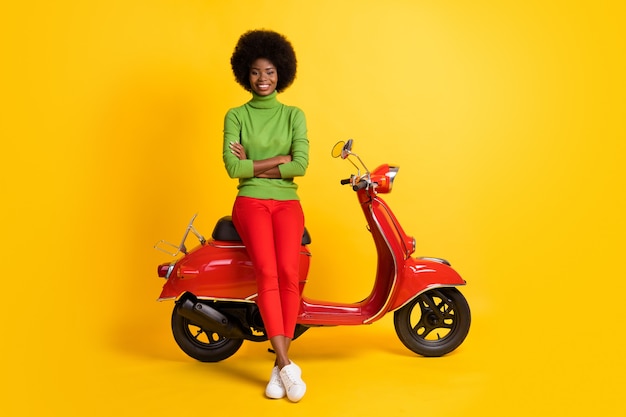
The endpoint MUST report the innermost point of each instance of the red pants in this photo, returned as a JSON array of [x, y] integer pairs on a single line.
[[272, 232]]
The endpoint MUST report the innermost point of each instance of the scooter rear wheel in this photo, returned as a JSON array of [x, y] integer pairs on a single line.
[[434, 323], [201, 344]]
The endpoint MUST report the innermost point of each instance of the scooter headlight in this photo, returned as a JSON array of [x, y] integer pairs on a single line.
[[384, 176], [391, 174]]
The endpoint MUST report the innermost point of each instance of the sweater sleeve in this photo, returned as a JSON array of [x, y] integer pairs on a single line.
[[235, 167], [299, 147]]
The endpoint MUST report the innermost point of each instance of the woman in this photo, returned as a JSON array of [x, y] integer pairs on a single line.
[[265, 147]]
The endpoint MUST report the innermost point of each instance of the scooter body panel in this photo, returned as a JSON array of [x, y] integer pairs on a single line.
[[324, 313], [220, 270]]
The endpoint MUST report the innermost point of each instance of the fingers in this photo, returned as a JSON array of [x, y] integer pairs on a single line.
[[235, 148], [238, 150]]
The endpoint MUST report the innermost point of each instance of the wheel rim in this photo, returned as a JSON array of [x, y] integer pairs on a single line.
[[435, 320], [201, 338]]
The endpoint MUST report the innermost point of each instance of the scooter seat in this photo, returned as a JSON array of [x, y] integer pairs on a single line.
[[225, 230]]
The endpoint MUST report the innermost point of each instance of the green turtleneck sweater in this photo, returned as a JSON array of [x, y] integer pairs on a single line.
[[266, 128]]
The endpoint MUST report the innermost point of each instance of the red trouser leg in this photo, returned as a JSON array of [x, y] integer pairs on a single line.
[[272, 232]]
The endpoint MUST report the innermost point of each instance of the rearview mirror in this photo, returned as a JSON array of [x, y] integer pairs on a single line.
[[342, 149]]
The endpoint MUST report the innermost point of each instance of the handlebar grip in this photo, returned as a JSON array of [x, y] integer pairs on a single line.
[[346, 181], [360, 185]]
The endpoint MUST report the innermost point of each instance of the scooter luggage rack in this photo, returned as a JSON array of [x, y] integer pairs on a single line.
[[180, 248]]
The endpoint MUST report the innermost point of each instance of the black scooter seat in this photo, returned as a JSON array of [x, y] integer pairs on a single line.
[[225, 230]]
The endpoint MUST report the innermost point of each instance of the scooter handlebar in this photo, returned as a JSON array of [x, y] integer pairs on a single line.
[[360, 185]]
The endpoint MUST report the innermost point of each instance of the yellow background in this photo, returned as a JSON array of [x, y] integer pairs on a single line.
[[506, 118]]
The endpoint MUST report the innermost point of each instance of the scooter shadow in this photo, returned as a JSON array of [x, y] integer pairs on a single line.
[[316, 346], [150, 338], [347, 342]]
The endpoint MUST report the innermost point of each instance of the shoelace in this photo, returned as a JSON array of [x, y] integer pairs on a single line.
[[291, 376], [275, 379]]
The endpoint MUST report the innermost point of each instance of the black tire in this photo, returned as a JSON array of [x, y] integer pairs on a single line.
[[434, 323], [200, 344]]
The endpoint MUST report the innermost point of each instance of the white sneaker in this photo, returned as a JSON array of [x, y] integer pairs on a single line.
[[292, 381], [275, 388]]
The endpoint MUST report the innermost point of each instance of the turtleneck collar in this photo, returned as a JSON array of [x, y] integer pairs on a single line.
[[264, 102]]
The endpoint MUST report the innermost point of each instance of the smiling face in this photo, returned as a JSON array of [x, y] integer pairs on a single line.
[[263, 77]]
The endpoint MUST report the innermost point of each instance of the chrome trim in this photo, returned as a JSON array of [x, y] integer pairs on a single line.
[[382, 311], [169, 270], [438, 260], [243, 247], [228, 246], [398, 231], [246, 300], [428, 289], [391, 174]]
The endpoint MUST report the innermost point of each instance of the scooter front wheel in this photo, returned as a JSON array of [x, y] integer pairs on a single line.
[[434, 323], [203, 345]]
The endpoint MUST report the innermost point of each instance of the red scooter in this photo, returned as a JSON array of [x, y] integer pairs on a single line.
[[214, 287]]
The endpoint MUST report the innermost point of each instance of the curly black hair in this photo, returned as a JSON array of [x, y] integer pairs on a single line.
[[266, 44]]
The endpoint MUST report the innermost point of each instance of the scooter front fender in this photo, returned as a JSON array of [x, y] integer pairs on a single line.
[[422, 274]]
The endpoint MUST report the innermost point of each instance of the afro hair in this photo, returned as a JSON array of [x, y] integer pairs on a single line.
[[266, 44]]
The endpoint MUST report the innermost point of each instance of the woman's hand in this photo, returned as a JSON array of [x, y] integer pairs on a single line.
[[267, 168], [237, 149]]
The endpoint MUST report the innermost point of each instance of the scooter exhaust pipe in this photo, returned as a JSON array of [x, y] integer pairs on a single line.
[[208, 318]]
